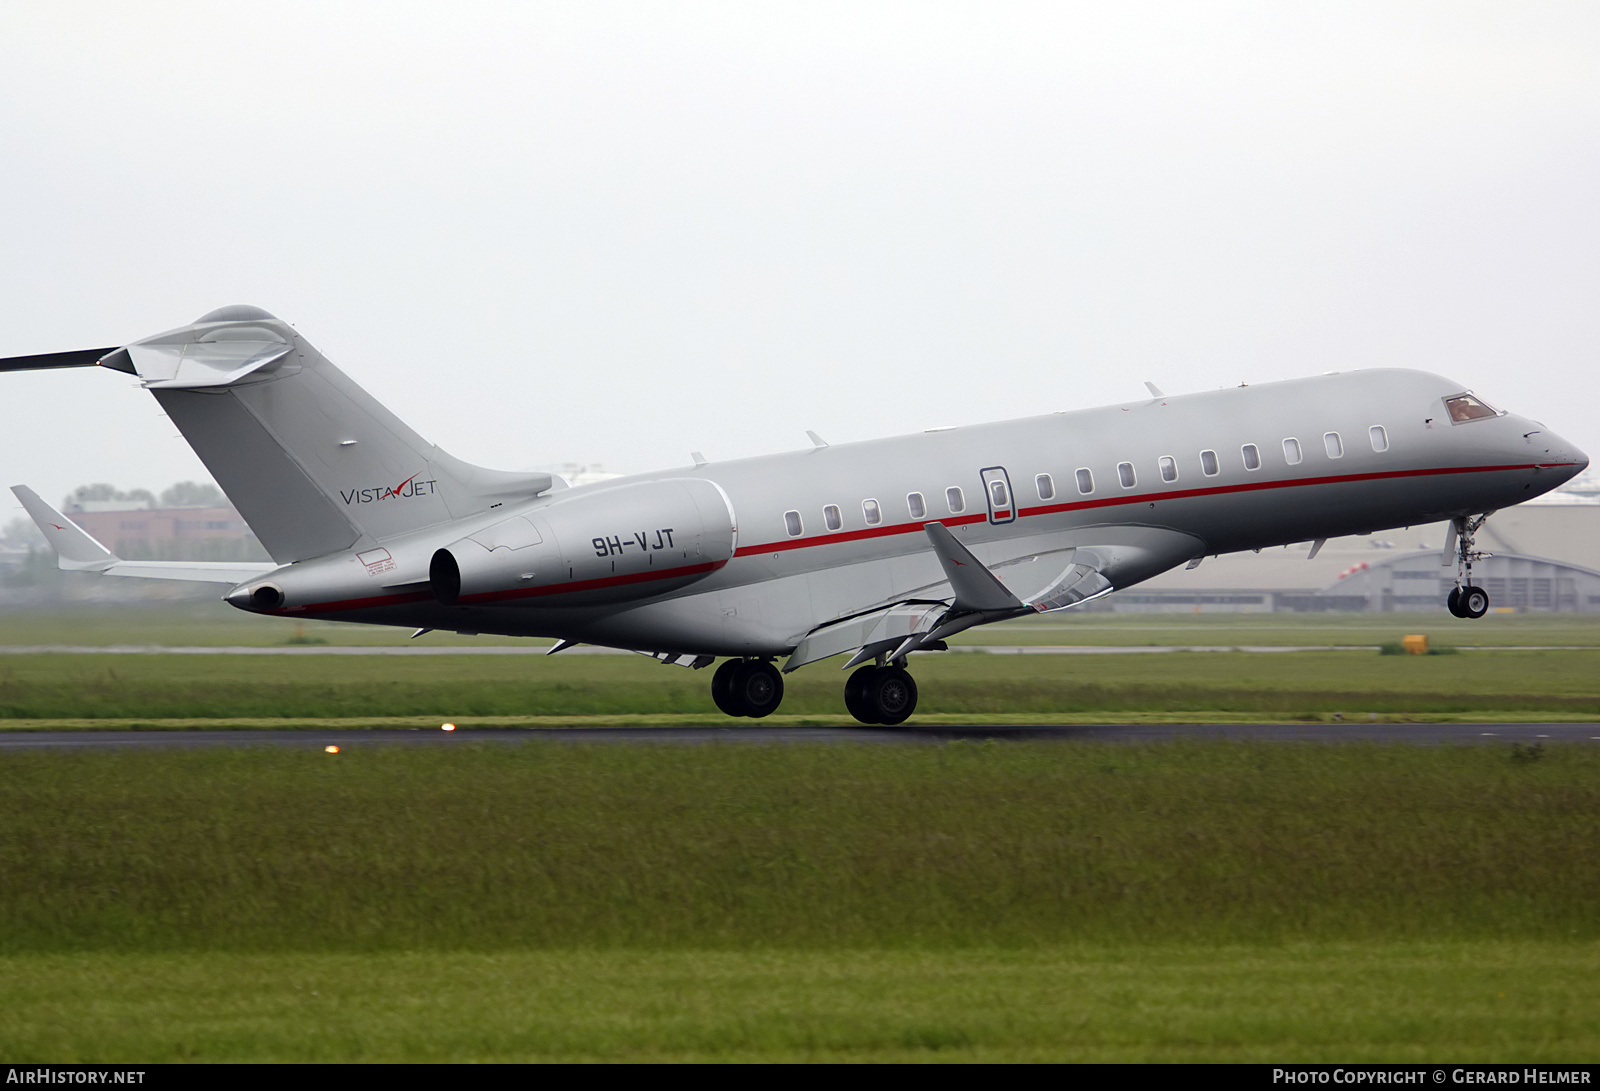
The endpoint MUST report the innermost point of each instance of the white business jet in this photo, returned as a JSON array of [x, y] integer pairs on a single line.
[[876, 550]]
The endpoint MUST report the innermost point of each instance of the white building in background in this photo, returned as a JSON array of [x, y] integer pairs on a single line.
[[1546, 558]]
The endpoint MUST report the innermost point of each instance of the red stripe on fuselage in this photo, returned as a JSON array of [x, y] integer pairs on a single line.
[[1112, 501], [591, 585], [898, 528], [496, 596]]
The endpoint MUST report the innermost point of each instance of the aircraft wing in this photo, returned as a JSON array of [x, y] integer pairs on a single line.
[[77, 551], [1052, 579]]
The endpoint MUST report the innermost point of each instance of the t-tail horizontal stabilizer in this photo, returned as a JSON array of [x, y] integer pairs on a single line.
[[77, 551], [44, 360]]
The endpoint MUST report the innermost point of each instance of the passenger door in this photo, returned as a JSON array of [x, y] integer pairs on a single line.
[[997, 495]]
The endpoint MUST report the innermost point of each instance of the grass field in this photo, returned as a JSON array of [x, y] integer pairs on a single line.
[[1348, 1002], [965, 902], [1304, 685]]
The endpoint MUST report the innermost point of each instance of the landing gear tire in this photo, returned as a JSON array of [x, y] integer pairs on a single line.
[[893, 694], [881, 695], [856, 701], [1474, 602], [722, 688], [1452, 602], [758, 687]]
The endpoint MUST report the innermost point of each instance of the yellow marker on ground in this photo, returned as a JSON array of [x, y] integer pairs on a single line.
[[1416, 644]]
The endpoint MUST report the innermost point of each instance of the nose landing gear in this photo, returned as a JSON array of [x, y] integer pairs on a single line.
[[1467, 600]]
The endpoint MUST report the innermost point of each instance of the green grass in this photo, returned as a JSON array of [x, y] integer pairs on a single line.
[[1180, 902], [1397, 1002], [391, 848], [1307, 685], [969, 902]]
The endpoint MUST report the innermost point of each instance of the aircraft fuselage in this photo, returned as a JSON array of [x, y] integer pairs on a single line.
[[1147, 485]]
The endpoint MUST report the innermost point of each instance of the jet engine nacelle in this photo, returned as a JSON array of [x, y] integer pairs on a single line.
[[592, 547]]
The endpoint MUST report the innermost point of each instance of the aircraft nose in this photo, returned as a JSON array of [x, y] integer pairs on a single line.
[[1557, 456]]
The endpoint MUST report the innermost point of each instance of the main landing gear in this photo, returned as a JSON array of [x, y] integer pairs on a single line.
[[1467, 600], [881, 695], [747, 687]]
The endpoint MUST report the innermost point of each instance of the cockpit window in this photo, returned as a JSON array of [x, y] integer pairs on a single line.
[[1465, 407]]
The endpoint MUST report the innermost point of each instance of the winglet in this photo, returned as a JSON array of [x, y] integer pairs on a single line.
[[975, 586], [75, 549]]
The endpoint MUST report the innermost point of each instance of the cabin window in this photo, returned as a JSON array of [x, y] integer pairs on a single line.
[[1464, 407], [1085, 482], [1379, 438], [791, 523], [870, 512], [916, 505], [1252, 456], [1046, 487], [1169, 468], [1291, 451], [831, 517], [997, 495], [1334, 444], [954, 500], [1125, 475], [1208, 463]]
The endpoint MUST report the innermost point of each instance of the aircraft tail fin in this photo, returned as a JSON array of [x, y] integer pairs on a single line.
[[313, 462]]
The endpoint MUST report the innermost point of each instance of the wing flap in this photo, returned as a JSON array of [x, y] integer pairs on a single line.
[[892, 624]]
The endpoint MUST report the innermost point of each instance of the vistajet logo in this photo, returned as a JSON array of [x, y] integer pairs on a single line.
[[408, 488]]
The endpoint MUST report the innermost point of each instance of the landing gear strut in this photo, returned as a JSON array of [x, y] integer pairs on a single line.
[[747, 687], [881, 695], [1466, 600]]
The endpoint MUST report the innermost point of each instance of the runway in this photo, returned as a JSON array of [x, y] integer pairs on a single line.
[[747, 733]]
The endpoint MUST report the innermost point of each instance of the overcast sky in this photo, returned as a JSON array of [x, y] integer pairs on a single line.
[[613, 233]]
